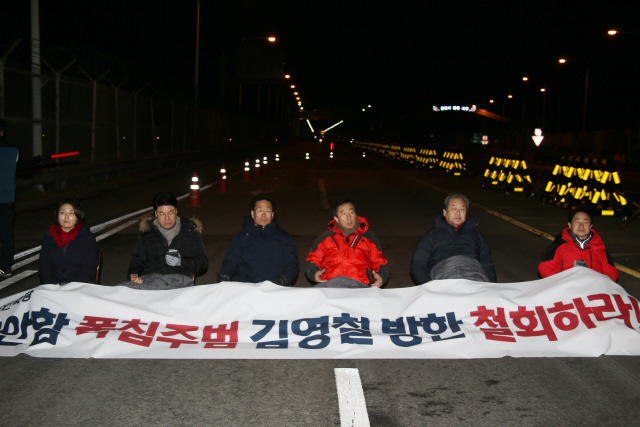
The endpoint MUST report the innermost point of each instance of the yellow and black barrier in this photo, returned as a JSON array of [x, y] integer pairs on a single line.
[[427, 157], [592, 183], [507, 172], [453, 163], [408, 154]]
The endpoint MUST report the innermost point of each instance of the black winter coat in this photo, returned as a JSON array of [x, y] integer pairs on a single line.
[[151, 248], [257, 254], [76, 263], [442, 242]]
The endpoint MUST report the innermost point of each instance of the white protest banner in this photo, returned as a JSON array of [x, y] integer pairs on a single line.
[[575, 313]]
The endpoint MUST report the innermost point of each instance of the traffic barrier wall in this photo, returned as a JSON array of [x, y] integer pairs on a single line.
[[589, 182], [508, 172], [452, 162], [427, 157]]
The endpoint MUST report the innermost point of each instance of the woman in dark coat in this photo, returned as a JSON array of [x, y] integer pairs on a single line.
[[69, 252]]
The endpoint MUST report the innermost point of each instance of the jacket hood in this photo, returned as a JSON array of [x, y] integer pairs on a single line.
[[363, 226], [248, 225], [595, 242], [469, 224], [147, 223]]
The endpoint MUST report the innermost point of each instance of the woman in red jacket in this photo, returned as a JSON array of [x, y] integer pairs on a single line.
[[578, 245]]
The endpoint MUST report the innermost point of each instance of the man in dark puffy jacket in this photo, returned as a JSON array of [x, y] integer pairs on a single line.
[[348, 255], [169, 250], [261, 251], [578, 245], [453, 248]]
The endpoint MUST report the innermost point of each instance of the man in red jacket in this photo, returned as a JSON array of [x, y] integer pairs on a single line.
[[578, 245], [348, 255]]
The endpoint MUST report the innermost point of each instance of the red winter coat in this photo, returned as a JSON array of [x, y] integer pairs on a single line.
[[353, 256], [564, 251]]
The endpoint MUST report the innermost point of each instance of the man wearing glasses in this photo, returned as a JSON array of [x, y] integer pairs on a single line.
[[169, 250]]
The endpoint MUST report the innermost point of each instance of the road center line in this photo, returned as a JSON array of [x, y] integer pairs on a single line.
[[353, 410]]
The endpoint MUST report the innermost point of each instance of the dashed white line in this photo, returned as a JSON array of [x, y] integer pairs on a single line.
[[353, 410]]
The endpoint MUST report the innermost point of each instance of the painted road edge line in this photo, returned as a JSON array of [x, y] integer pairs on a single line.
[[13, 279], [515, 222], [353, 410]]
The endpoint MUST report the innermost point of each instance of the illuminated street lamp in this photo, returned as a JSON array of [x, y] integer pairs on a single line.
[[586, 91], [287, 76], [525, 78], [491, 101], [612, 32], [292, 86], [509, 96]]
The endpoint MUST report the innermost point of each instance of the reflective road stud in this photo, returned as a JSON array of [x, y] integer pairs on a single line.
[[194, 193], [222, 183]]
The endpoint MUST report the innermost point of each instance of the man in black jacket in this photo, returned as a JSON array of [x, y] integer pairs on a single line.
[[169, 250], [453, 248], [262, 251]]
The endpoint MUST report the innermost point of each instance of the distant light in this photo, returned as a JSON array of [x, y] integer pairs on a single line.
[[157, 137], [293, 86], [525, 78], [272, 39], [369, 106], [287, 76], [491, 101], [301, 108], [298, 98], [612, 32], [299, 103], [230, 139], [562, 60], [543, 90], [363, 109], [124, 137], [43, 134], [509, 96], [295, 93]]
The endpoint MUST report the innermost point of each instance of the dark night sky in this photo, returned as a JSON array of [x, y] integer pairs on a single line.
[[398, 55]]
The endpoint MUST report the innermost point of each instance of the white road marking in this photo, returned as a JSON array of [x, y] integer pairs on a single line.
[[353, 410], [24, 262], [13, 279]]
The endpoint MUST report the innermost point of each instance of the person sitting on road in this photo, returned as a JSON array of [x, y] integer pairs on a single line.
[[169, 250], [453, 248], [348, 255], [578, 245], [69, 252], [262, 251]]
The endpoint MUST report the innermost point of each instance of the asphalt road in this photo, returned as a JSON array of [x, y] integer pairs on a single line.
[[400, 203]]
